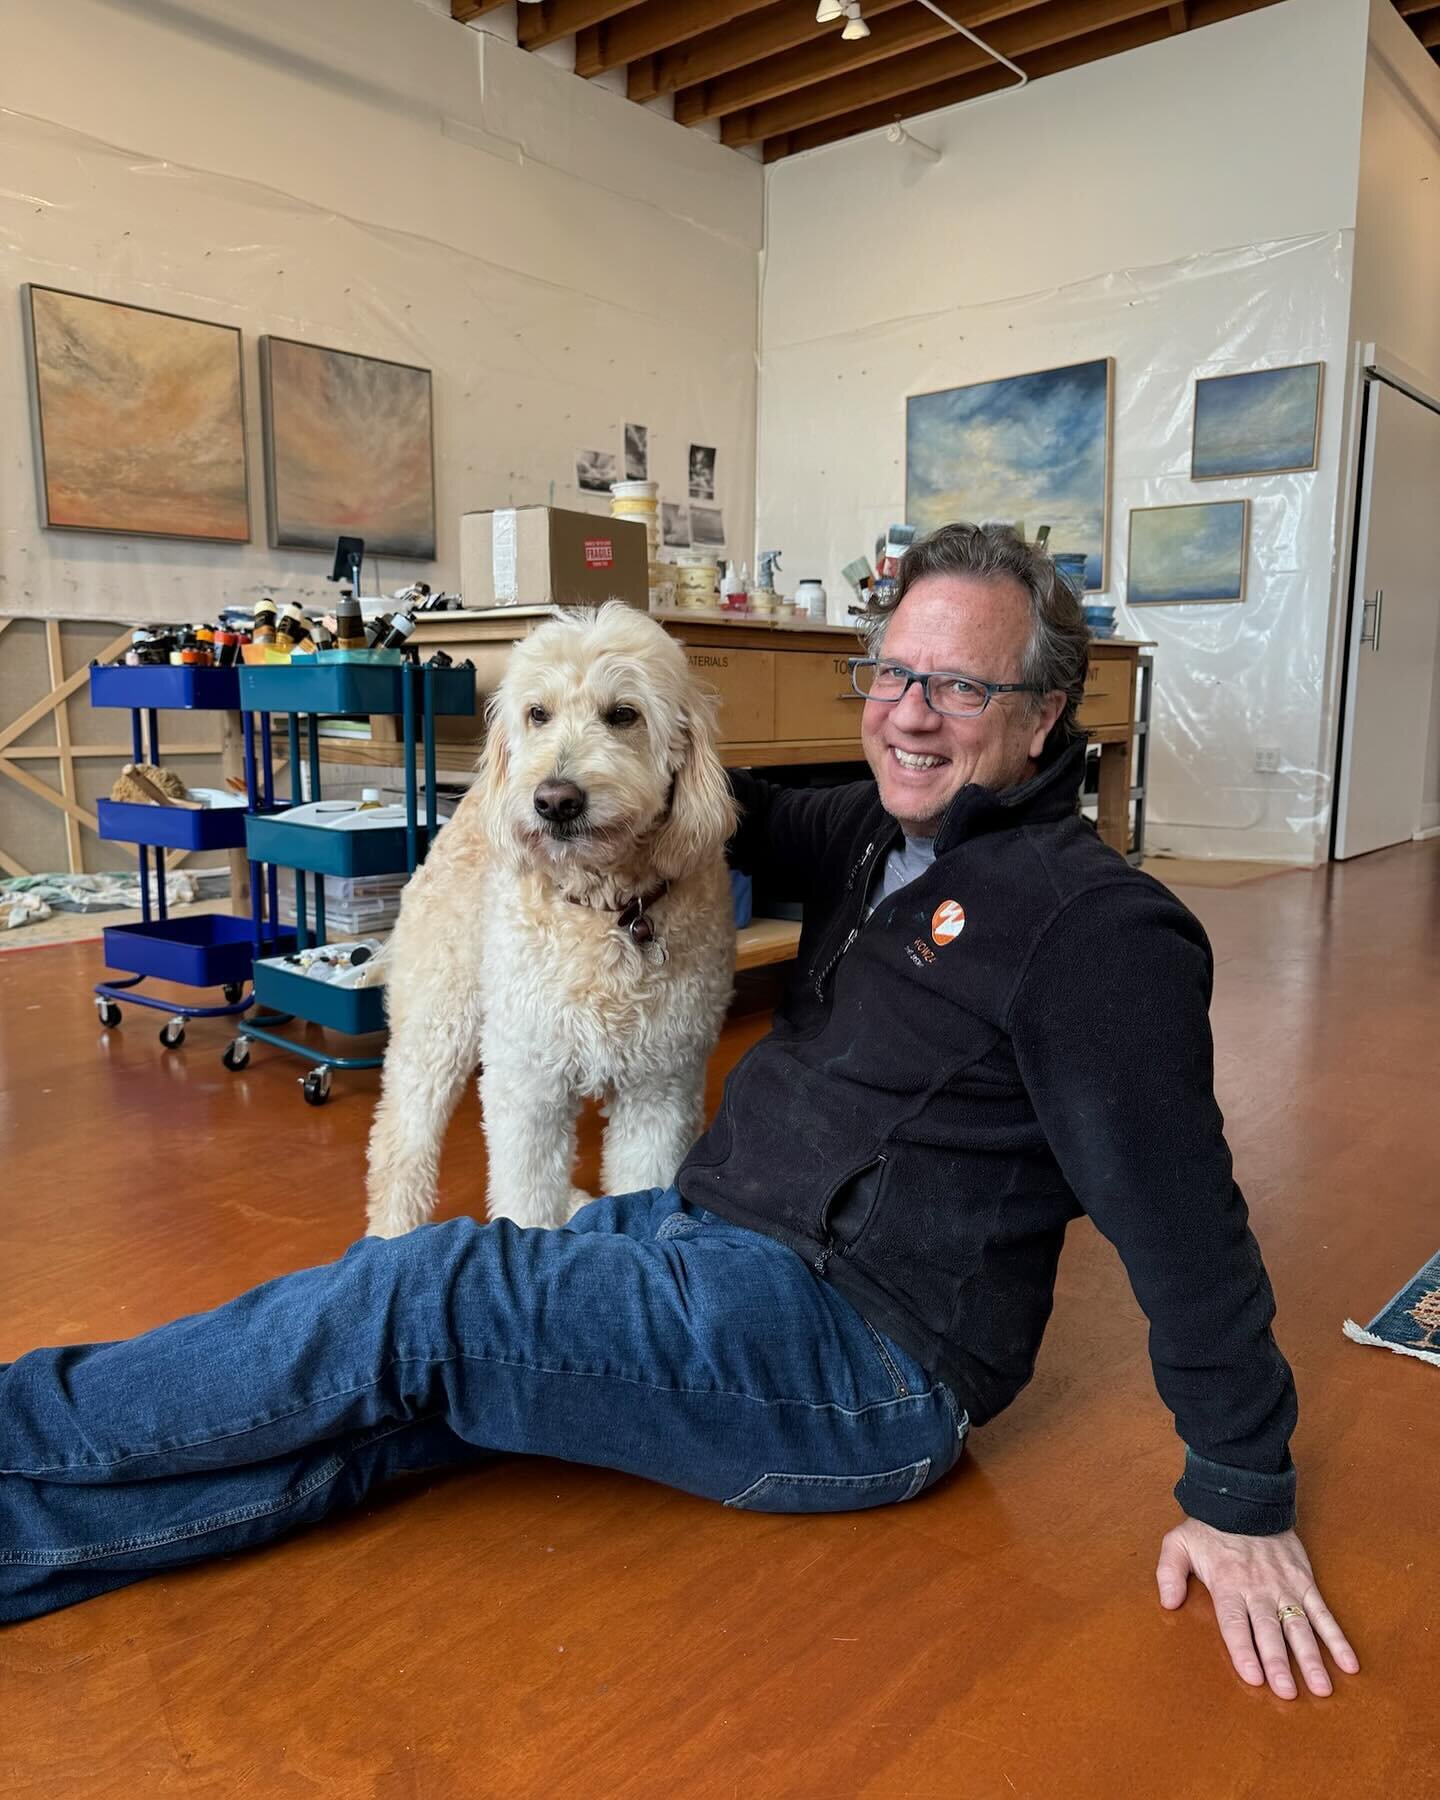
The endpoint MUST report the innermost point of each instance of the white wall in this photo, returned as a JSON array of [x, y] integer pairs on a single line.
[[369, 175], [1187, 208], [1397, 241]]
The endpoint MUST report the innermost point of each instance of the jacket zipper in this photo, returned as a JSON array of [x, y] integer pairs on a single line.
[[819, 980], [828, 1245]]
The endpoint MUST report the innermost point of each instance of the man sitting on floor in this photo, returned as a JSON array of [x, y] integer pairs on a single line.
[[995, 1025]]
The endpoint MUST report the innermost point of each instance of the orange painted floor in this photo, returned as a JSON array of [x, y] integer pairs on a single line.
[[539, 1629]]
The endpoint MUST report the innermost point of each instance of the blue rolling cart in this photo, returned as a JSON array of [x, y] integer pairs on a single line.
[[211, 949], [301, 694]]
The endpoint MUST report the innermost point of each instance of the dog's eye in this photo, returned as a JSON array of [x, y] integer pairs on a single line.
[[621, 716], [539, 716]]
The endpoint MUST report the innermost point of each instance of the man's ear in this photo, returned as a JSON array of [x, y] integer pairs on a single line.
[[1046, 713]]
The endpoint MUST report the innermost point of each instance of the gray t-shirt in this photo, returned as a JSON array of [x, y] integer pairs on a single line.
[[907, 862]]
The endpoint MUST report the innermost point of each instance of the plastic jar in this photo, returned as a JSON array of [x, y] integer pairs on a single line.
[[810, 598]]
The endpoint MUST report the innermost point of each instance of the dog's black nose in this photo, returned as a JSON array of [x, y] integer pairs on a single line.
[[559, 801]]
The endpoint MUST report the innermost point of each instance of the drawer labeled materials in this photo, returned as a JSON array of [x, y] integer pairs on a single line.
[[814, 699], [745, 682]]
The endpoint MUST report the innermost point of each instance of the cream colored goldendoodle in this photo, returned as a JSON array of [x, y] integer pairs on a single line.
[[572, 931]]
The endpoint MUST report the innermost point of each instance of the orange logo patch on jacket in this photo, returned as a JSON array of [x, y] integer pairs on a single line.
[[948, 922]]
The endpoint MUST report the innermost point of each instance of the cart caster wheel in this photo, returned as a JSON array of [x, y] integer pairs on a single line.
[[109, 1013], [172, 1033], [232, 991], [317, 1087], [236, 1055]]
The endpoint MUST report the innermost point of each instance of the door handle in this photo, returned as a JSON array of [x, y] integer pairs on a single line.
[[1371, 636]]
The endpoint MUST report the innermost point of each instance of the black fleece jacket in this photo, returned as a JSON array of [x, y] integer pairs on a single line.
[[934, 1105]]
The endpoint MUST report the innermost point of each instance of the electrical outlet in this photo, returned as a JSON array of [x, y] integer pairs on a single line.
[[1267, 760]]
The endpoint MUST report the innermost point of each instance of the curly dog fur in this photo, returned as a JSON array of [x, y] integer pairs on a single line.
[[508, 952]]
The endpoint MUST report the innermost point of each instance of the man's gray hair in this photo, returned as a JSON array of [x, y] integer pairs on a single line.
[[1058, 654]]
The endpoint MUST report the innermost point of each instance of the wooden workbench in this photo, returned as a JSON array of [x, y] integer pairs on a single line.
[[785, 699]]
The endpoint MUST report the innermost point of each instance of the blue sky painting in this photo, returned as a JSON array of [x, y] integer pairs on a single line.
[[1033, 448], [1187, 553], [1259, 423]]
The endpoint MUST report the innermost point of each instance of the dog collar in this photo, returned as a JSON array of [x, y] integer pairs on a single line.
[[632, 917]]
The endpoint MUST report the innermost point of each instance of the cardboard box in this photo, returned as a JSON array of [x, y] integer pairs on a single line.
[[539, 555], [1109, 692]]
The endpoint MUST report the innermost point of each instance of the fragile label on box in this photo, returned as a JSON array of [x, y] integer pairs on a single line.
[[599, 553]]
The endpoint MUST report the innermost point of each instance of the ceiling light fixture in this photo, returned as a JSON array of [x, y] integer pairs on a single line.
[[855, 26], [897, 134], [828, 11]]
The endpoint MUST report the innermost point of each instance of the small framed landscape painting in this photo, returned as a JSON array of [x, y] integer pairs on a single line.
[[1191, 553], [1264, 422]]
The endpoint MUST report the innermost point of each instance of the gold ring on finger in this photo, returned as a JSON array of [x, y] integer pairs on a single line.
[[1282, 1613]]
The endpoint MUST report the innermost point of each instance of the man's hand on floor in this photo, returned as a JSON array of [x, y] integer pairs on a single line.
[[1250, 1580]]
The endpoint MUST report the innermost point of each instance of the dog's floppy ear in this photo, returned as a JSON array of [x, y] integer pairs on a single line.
[[493, 775], [702, 815]]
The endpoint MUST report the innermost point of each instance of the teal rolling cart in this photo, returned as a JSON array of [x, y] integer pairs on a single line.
[[301, 693]]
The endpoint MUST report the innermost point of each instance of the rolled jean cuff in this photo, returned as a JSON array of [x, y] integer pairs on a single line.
[[1242, 1500]]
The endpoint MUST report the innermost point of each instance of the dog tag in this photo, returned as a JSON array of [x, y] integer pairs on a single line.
[[641, 930]]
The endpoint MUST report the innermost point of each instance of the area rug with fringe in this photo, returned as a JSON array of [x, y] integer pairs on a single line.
[[1410, 1324]]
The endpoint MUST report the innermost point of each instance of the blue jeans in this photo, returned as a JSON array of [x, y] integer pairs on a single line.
[[646, 1336]]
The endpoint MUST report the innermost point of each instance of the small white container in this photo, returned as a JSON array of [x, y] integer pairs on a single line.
[[810, 598], [634, 490]]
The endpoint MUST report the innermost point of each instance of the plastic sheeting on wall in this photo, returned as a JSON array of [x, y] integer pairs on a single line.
[[1230, 680], [536, 348]]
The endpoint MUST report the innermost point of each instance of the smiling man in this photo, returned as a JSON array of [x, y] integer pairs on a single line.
[[994, 1026], [1002, 1026]]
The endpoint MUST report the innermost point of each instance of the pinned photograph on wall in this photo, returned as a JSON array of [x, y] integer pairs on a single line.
[[139, 419], [595, 470], [1031, 447], [707, 526], [348, 449], [674, 525], [702, 472], [1192, 553], [1264, 422], [637, 452]]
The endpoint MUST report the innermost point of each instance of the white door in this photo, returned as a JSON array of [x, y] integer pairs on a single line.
[[1395, 611]]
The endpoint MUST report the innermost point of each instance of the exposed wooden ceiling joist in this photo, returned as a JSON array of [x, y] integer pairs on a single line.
[[768, 33], [906, 28], [644, 30], [1119, 38], [466, 10], [1017, 37], [551, 20], [1089, 47], [1428, 32]]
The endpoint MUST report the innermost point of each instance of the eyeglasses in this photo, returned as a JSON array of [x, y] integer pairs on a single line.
[[956, 696]]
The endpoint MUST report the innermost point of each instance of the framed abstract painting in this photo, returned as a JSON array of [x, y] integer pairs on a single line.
[[1195, 553], [1032, 449], [139, 419], [1263, 422], [349, 450]]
